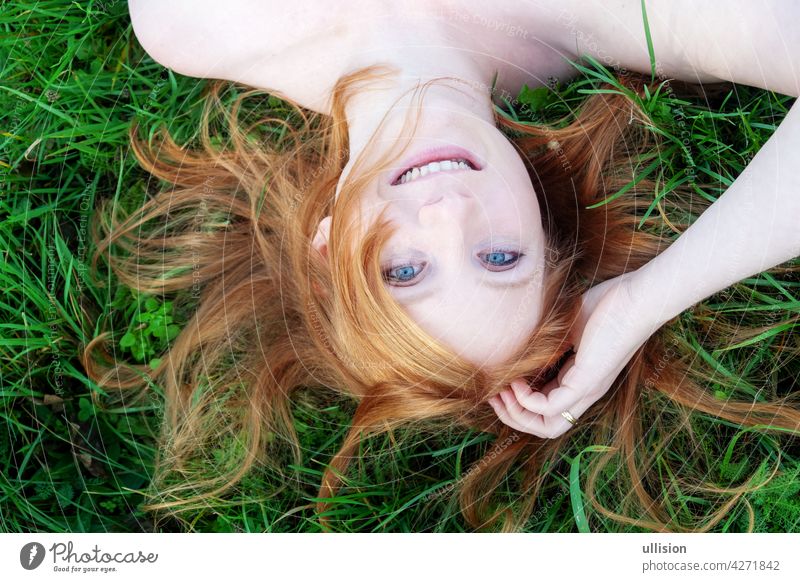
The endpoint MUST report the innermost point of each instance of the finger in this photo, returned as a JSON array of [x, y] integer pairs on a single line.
[[550, 386], [531, 422], [555, 426], [568, 365], [528, 397], [553, 403], [555, 382], [500, 410], [526, 420]]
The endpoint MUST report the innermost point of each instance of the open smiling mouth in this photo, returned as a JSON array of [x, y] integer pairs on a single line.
[[445, 159]]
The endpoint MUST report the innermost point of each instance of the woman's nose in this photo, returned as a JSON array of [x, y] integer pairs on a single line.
[[443, 207]]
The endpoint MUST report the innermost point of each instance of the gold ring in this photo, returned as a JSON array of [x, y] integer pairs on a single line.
[[570, 419]]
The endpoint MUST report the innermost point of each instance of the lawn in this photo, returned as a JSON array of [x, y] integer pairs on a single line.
[[73, 78]]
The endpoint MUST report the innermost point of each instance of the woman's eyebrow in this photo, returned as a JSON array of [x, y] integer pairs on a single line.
[[513, 284]]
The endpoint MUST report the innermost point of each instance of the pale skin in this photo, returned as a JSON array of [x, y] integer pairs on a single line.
[[471, 239]]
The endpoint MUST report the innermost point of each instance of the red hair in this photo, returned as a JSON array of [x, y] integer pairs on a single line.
[[262, 329]]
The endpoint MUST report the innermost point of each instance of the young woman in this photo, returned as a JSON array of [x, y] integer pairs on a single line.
[[407, 252]]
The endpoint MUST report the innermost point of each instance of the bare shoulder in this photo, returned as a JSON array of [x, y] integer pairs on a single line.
[[753, 43], [193, 37], [209, 38], [290, 48]]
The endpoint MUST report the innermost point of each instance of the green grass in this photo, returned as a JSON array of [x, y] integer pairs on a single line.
[[73, 79]]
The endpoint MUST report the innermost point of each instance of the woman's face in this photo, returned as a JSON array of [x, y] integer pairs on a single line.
[[466, 261]]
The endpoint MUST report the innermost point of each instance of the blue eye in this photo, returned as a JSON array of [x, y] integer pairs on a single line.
[[402, 275], [504, 259], [499, 258]]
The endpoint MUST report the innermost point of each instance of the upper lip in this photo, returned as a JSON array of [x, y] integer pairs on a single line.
[[437, 154]]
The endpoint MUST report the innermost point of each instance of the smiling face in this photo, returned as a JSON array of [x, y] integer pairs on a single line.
[[466, 260]]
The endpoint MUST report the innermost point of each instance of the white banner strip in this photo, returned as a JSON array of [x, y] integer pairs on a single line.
[[379, 557]]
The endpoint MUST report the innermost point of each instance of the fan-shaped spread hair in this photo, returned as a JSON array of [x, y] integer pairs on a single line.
[[272, 315]]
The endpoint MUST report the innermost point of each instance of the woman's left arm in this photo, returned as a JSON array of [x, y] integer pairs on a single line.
[[752, 227]]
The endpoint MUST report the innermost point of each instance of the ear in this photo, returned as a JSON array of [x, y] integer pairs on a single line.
[[320, 241]]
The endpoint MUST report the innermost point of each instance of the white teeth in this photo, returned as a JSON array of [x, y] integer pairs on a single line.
[[433, 167]]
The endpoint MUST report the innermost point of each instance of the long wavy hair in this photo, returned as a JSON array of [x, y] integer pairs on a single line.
[[235, 228]]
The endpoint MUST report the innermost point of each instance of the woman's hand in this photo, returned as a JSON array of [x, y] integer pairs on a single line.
[[611, 327]]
